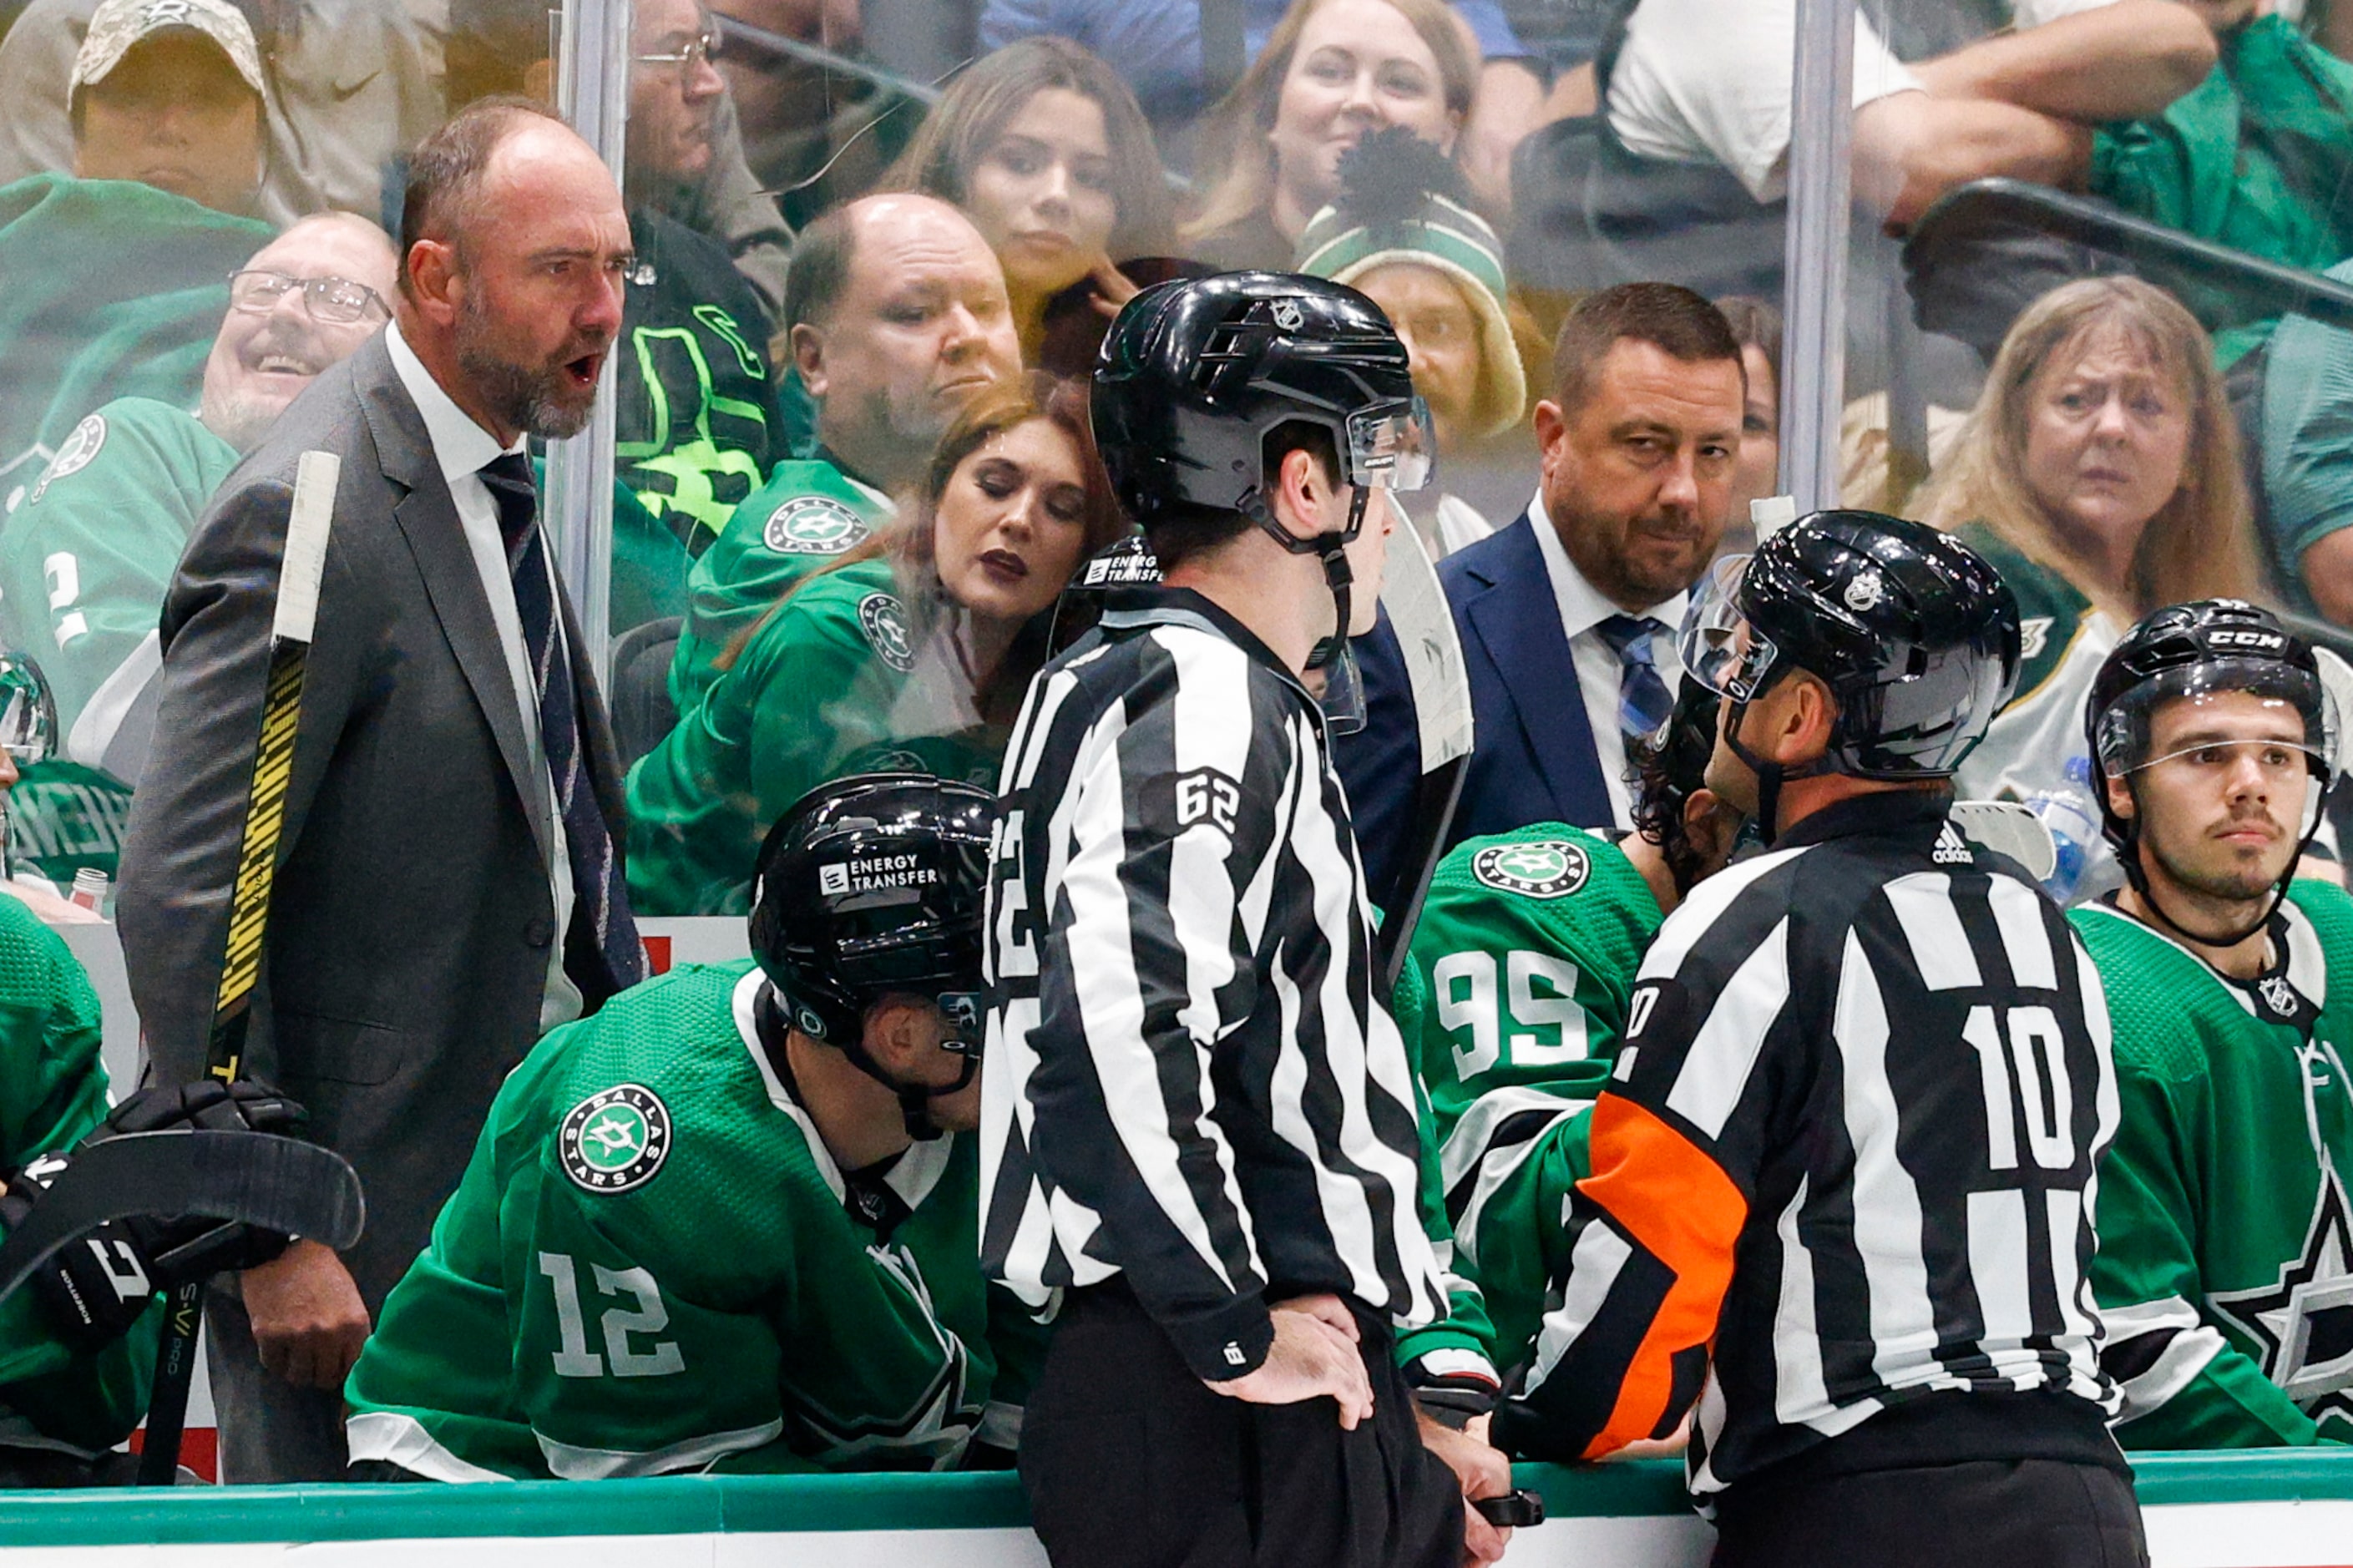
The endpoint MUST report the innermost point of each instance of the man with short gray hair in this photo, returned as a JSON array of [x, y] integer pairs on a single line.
[[448, 885]]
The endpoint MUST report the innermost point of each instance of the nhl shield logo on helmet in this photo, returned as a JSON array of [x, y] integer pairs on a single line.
[[812, 525], [616, 1139], [1545, 868]]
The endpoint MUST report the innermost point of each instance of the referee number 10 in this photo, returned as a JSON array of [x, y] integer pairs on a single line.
[[2025, 1083]]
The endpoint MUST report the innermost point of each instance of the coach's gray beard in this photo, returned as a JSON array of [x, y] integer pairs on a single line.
[[529, 399]]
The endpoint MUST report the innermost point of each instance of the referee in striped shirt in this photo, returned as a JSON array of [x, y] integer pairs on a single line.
[[1842, 1181], [1197, 1125]]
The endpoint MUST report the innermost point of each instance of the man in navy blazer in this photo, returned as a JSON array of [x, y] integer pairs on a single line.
[[1568, 616]]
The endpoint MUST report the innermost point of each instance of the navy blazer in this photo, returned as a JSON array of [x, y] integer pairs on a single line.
[[1533, 759]]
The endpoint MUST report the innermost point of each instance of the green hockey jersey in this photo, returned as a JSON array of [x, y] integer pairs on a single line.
[[808, 513], [2225, 1268], [834, 683], [86, 558], [653, 1265], [53, 1091], [1525, 953], [64, 818]]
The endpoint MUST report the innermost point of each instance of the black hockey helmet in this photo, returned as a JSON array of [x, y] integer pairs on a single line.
[[1195, 374], [870, 887], [2191, 651], [1125, 563]]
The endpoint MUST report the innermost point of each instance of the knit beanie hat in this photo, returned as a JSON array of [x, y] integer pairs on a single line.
[[1402, 201]]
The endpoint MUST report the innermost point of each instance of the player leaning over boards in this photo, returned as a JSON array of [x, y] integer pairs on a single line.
[[1198, 1122], [718, 1225], [1523, 965], [1842, 1172], [2225, 1270]]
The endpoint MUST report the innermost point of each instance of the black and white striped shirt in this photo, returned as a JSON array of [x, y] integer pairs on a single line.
[[1843, 1178], [1186, 1079]]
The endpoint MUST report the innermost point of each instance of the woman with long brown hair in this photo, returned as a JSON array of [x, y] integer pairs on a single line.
[[912, 650], [1043, 147], [2099, 472], [1331, 72]]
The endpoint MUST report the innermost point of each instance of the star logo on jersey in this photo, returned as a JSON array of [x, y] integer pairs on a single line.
[[616, 1139], [885, 626], [2304, 1322], [1543, 868], [79, 452], [812, 525]]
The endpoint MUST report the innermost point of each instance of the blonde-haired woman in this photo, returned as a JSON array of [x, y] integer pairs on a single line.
[[2099, 472], [1331, 72]]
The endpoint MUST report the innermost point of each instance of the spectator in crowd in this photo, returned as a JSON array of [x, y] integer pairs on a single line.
[[1756, 323], [899, 319], [448, 886], [1568, 615], [349, 84], [1045, 150], [2099, 472], [773, 1155], [1400, 230], [168, 92], [1165, 54], [85, 560], [696, 423], [917, 644], [2305, 457], [2223, 1217], [1331, 70]]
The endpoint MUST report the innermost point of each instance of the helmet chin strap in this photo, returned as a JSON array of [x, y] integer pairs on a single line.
[[1332, 549], [2137, 875], [914, 1099], [1769, 775]]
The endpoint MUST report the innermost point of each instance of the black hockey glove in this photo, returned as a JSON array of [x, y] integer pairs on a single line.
[[199, 1247], [92, 1291]]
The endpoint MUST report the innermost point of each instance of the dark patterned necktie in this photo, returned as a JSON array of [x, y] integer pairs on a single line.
[[1644, 699], [596, 871]]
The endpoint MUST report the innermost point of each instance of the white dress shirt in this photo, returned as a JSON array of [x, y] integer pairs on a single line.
[[463, 449], [1583, 608]]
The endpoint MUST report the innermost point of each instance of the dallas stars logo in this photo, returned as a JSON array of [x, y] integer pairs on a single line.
[[880, 617], [2304, 1323], [812, 525], [614, 1139], [76, 455], [1543, 869]]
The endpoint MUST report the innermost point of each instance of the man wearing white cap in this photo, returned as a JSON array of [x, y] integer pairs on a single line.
[[168, 92]]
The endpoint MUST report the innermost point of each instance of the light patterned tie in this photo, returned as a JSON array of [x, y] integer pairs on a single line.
[[1644, 699], [596, 871]]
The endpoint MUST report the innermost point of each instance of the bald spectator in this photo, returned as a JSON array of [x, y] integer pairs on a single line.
[[448, 887], [899, 314], [85, 561]]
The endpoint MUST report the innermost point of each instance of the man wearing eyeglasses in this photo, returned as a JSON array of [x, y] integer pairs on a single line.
[[85, 561]]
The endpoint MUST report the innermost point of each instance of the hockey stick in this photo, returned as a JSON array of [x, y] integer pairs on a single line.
[[1424, 625], [248, 1178], [292, 625]]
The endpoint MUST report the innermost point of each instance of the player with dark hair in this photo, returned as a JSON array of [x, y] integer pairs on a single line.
[[727, 1223], [2225, 1269], [1199, 1124], [1515, 997], [1842, 1172]]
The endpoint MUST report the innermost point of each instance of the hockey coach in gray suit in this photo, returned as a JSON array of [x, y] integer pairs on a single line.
[[448, 886]]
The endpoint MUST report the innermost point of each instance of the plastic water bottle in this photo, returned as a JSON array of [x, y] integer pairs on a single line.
[[2073, 820], [89, 888]]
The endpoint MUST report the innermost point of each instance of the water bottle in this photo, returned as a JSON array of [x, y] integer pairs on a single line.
[[2069, 812], [89, 888]]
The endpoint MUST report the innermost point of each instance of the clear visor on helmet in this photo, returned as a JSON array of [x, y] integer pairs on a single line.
[[2230, 721], [1719, 649], [1392, 445], [29, 714]]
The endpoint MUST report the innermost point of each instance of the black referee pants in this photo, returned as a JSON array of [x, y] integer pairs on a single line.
[[1131, 1462], [1987, 1513]]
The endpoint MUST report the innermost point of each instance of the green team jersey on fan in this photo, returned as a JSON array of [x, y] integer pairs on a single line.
[[653, 1265], [85, 557], [2226, 1267], [53, 1091], [1526, 951], [827, 685], [64, 818], [807, 513]]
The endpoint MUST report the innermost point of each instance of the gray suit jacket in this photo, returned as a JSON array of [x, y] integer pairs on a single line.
[[410, 926]]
